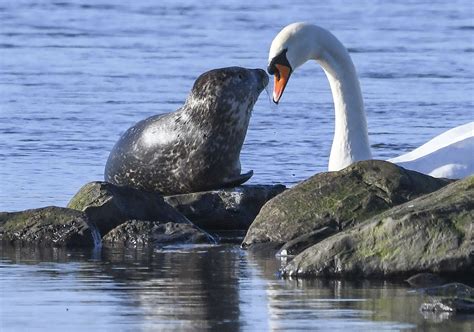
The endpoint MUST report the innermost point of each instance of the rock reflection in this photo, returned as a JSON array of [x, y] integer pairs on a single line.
[[191, 288], [198, 288], [365, 305], [183, 289]]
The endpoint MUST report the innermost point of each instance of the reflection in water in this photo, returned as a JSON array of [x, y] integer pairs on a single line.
[[183, 289], [195, 288]]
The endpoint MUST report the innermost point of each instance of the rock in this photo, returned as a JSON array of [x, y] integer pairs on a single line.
[[143, 234], [449, 305], [454, 289], [433, 233], [425, 280], [453, 297], [107, 205], [302, 242], [48, 226], [338, 200], [225, 209]]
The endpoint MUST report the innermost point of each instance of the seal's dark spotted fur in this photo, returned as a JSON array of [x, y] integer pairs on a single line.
[[198, 146]]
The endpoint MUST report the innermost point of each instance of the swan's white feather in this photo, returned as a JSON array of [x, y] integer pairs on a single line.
[[449, 155], [449, 137]]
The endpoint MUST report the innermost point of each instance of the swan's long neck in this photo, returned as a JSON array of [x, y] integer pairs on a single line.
[[351, 142]]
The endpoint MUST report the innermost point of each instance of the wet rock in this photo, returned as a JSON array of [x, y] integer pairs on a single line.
[[433, 233], [338, 200], [453, 297], [143, 234], [302, 242], [225, 209], [454, 289], [449, 305], [425, 280], [48, 226], [108, 206]]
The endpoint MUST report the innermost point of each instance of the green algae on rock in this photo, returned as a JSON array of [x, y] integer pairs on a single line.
[[338, 200], [108, 205], [48, 226], [433, 233]]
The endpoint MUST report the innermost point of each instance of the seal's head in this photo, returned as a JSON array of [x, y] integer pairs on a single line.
[[227, 92]]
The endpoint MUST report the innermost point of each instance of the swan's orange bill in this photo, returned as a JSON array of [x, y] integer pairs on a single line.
[[281, 79]]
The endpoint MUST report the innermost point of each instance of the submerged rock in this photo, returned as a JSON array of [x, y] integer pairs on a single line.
[[108, 206], [48, 226], [225, 209], [143, 234], [338, 200], [433, 233]]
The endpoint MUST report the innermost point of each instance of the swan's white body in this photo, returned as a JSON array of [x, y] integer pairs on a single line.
[[450, 154]]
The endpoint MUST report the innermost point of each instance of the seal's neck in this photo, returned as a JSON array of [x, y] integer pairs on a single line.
[[219, 120]]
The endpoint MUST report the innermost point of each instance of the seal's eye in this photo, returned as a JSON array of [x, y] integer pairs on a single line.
[[240, 76]]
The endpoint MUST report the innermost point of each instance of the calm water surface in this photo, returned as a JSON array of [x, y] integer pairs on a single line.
[[202, 288], [74, 75]]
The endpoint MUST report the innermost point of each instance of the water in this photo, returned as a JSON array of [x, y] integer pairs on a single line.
[[74, 75], [217, 288]]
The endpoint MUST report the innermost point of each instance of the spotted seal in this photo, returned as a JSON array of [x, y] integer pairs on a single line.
[[197, 147]]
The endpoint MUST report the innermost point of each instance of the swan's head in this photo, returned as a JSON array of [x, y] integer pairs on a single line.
[[293, 46]]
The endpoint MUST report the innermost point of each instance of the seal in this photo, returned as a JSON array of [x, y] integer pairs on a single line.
[[197, 147]]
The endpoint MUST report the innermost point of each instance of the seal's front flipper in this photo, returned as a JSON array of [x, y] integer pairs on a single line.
[[238, 180]]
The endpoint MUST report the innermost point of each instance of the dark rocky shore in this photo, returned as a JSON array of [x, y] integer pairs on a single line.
[[370, 220], [104, 214]]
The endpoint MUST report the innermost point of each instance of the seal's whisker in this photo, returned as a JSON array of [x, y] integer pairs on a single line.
[[273, 106]]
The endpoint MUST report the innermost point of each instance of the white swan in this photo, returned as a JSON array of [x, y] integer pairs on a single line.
[[450, 154]]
